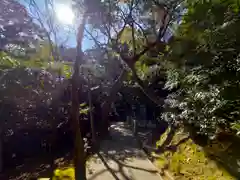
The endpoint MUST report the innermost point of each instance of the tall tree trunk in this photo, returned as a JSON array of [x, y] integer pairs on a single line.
[[1, 150], [79, 154], [1, 141], [91, 116]]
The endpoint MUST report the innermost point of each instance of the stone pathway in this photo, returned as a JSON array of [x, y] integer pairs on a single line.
[[121, 158]]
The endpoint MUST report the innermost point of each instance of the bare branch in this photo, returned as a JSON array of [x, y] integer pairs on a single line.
[[34, 7], [132, 26], [161, 33], [115, 88]]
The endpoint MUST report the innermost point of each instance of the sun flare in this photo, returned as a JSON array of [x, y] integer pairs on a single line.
[[64, 14]]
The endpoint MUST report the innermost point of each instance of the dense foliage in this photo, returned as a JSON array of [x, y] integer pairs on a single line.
[[17, 29], [186, 52], [202, 63]]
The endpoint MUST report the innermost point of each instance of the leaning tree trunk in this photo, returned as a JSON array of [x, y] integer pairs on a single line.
[[79, 155]]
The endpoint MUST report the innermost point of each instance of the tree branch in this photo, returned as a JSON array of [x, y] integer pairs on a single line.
[[147, 91], [115, 88]]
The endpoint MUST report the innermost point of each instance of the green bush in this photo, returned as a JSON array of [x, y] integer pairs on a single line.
[[203, 65]]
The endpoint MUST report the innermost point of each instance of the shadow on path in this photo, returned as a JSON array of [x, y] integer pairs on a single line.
[[122, 157]]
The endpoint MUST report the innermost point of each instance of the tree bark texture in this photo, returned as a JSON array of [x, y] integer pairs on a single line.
[[79, 154]]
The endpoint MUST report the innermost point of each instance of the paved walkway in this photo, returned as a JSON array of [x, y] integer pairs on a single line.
[[120, 158]]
